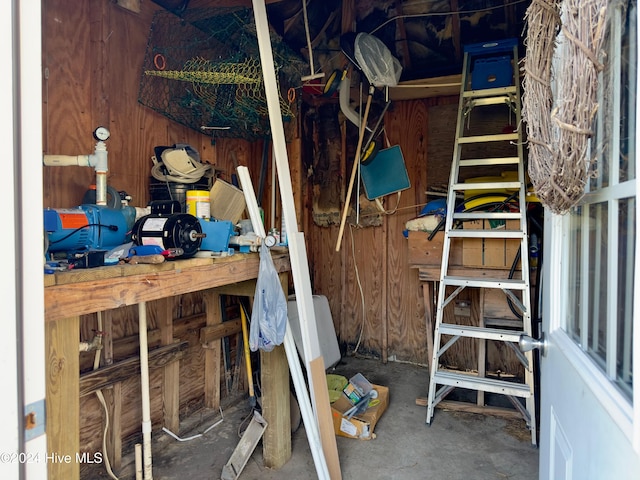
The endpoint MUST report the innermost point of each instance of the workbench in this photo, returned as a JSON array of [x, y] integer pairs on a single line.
[[68, 295]]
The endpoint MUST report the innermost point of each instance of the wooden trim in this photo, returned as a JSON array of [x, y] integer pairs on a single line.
[[216, 332], [62, 399], [63, 301], [117, 372]]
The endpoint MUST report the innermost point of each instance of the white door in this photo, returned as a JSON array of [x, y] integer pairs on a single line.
[[589, 426]]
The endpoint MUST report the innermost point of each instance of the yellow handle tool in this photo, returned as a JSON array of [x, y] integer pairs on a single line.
[[247, 355]]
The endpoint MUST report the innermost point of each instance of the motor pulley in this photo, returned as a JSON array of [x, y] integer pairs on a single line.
[[179, 230]]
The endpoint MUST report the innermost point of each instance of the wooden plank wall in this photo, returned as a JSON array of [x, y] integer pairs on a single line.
[[386, 319]]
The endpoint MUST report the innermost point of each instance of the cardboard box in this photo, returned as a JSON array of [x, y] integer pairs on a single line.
[[423, 251], [227, 202], [489, 252], [359, 426]]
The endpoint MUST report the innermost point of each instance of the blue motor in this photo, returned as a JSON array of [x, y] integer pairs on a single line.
[[83, 228]]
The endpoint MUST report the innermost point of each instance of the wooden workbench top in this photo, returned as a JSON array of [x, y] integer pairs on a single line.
[[79, 292]]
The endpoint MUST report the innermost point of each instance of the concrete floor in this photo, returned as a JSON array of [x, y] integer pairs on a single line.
[[455, 446]]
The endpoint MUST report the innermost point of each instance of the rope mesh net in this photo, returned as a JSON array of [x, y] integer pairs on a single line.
[[203, 71]]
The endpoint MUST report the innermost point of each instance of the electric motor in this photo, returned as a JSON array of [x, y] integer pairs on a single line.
[[178, 230]]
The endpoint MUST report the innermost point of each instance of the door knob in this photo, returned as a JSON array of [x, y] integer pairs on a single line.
[[528, 343]]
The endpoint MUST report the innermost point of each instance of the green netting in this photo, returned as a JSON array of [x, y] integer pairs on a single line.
[[203, 71]]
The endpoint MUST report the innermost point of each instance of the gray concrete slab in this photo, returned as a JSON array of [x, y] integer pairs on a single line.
[[455, 446]]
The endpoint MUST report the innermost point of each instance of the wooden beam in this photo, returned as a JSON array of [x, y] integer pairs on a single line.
[[171, 373], [427, 297], [276, 408], [212, 355], [401, 37], [348, 16], [473, 408], [276, 401], [445, 86], [240, 289], [211, 333], [92, 295], [62, 398], [117, 372], [455, 30], [126, 346]]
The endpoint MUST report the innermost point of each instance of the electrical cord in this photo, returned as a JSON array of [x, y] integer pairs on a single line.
[[96, 364], [113, 228], [159, 172], [355, 267], [444, 14]]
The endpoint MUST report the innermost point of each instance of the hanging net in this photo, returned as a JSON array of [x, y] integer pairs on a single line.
[[203, 71]]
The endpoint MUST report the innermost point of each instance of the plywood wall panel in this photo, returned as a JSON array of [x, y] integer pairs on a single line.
[[407, 334]]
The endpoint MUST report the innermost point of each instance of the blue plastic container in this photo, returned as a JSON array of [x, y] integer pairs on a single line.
[[493, 72], [218, 234]]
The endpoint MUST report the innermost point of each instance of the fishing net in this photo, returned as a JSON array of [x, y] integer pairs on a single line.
[[203, 71], [378, 64]]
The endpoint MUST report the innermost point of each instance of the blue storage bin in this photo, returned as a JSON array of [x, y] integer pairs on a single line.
[[492, 72], [218, 234]]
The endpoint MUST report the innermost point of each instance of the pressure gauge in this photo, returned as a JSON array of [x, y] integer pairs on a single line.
[[270, 241], [101, 134]]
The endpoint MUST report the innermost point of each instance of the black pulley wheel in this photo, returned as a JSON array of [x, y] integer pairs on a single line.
[[369, 153], [180, 230], [333, 82]]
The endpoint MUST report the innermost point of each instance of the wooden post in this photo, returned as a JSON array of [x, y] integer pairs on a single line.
[[212, 363], [276, 406], [62, 402], [171, 374], [274, 372], [427, 296]]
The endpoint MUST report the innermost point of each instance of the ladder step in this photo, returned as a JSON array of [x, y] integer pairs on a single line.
[[479, 162], [490, 92], [486, 186], [500, 137], [468, 331], [492, 385], [509, 284], [481, 101], [493, 233], [487, 215]]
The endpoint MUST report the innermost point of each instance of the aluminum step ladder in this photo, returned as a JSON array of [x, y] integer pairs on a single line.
[[489, 79]]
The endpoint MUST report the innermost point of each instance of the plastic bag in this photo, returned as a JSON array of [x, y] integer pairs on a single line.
[[269, 315]]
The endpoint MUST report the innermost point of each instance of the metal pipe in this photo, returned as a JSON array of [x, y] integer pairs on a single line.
[[98, 160], [144, 385]]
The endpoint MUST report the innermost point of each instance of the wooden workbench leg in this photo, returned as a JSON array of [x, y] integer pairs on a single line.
[[171, 374], [274, 373], [276, 407], [62, 338], [427, 295], [212, 353]]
